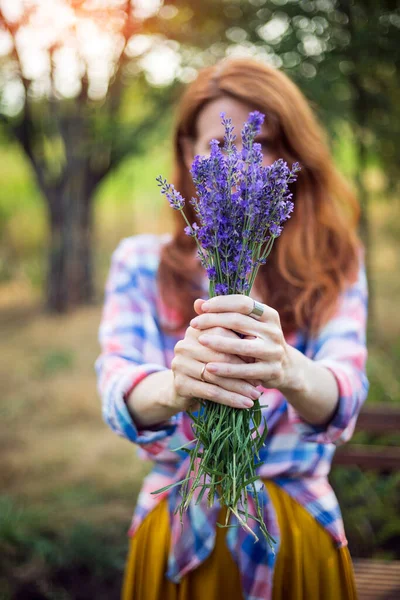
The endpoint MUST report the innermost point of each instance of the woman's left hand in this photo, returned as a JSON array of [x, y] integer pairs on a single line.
[[263, 343]]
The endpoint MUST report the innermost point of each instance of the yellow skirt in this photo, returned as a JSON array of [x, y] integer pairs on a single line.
[[308, 565]]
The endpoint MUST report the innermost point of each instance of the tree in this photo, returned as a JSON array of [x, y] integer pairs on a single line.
[[64, 73]]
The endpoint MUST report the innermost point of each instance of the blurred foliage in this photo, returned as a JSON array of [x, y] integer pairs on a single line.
[[344, 55], [40, 562], [370, 505], [56, 360], [383, 371], [370, 501]]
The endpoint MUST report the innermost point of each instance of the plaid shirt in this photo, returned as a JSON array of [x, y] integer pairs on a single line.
[[297, 456]]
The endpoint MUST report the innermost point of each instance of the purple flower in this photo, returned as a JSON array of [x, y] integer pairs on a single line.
[[240, 205], [191, 230], [275, 229], [230, 137], [173, 196], [251, 129], [221, 289], [211, 272]]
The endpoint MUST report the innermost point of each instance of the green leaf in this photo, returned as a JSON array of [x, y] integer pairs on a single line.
[[170, 486], [184, 446], [215, 472], [251, 480], [256, 413], [263, 437], [202, 492], [226, 526], [248, 515]]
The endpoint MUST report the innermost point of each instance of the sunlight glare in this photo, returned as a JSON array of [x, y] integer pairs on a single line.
[[161, 64], [69, 69], [138, 44], [12, 9], [70, 39], [6, 43], [143, 9]]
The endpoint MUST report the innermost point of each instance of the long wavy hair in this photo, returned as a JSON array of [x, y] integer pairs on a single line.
[[318, 252]]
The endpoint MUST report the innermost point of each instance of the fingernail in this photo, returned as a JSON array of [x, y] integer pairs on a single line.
[[193, 323], [255, 394], [247, 404]]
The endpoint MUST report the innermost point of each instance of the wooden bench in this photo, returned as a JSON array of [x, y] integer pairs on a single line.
[[376, 579]]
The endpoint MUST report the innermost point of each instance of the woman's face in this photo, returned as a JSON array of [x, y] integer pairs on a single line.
[[209, 127]]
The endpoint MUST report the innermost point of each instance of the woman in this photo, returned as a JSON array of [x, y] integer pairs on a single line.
[[305, 354]]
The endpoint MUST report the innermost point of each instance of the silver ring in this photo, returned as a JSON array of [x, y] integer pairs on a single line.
[[202, 373], [257, 310]]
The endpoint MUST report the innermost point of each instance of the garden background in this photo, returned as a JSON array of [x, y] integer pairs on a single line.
[[88, 90]]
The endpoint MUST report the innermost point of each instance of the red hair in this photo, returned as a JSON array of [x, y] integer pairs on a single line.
[[318, 251]]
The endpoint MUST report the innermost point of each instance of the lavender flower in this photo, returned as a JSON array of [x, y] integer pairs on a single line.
[[174, 198], [241, 207], [221, 289], [191, 230]]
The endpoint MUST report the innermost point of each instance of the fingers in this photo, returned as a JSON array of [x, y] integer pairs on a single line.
[[266, 372], [214, 393], [194, 332], [187, 384], [260, 343], [201, 353], [197, 306], [238, 386], [237, 322], [240, 304], [189, 360], [227, 320], [256, 348], [188, 400], [190, 345]]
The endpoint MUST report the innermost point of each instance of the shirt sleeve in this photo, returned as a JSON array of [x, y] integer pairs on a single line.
[[131, 345], [341, 347]]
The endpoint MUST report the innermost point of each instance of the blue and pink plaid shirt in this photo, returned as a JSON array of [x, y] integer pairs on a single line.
[[297, 456]]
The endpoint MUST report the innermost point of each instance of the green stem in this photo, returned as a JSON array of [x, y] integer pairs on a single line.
[[265, 255], [200, 249]]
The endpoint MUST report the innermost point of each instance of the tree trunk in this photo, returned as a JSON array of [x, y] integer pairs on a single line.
[[70, 277]]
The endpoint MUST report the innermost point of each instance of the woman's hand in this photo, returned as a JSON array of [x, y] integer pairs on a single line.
[[187, 366], [264, 341]]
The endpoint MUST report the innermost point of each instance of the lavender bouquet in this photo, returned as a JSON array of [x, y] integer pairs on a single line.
[[240, 206]]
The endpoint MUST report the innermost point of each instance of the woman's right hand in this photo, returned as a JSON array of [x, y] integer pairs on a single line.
[[187, 365]]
